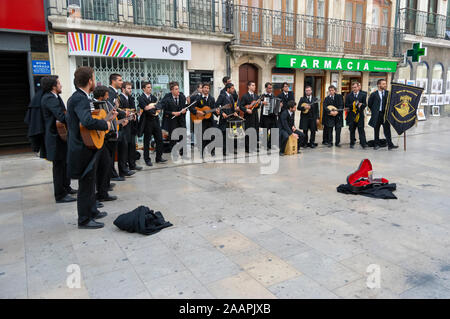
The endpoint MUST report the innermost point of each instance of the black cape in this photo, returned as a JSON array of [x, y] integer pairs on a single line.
[[36, 125], [383, 191], [142, 220]]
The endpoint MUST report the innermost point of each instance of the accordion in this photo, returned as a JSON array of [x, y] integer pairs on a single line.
[[273, 106]]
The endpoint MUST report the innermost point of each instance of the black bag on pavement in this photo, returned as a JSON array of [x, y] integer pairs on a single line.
[[142, 220]]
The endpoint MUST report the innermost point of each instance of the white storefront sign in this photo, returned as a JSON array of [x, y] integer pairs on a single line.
[[89, 44]]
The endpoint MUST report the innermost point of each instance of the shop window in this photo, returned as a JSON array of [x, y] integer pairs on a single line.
[[422, 76], [437, 82], [373, 79], [404, 73], [158, 72]]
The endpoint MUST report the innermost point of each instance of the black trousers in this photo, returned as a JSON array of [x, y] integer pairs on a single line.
[[103, 173], [386, 130], [86, 203], [122, 154], [311, 127], [61, 180], [251, 121], [152, 128], [268, 122], [132, 152], [330, 134], [112, 148], [362, 134], [325, 138], [284, 137], [199, 133], [174, 124]]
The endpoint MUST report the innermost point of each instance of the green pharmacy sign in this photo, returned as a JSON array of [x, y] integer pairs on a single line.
[[339, 64]]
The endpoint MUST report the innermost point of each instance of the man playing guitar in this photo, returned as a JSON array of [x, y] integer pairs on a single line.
[[81, 160]]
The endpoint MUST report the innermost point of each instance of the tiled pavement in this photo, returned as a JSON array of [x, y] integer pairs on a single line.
[[240, 234]]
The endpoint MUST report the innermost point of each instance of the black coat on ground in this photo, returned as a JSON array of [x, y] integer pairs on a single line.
[[142, 220]]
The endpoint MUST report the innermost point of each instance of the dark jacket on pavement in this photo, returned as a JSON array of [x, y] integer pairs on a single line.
[[142, 220]]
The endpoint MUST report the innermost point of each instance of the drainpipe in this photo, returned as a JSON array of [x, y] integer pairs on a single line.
[[228, 58], [396, 31]]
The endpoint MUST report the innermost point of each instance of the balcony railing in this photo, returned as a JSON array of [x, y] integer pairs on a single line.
[[276, 29], [423, 23], [198, 15]]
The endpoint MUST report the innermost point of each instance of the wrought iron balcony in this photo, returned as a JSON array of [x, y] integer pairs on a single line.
[[197, 15], [422, 23], [276, 29]]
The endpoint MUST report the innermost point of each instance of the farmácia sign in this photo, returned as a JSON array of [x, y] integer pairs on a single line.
[[328, 63]]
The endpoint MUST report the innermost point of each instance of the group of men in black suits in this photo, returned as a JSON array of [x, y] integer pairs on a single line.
[[355, 104]]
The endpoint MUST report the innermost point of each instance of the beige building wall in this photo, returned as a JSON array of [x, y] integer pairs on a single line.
[[209, 57], [59, 60]]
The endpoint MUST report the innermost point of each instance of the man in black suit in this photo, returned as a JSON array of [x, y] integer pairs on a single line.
[[250, 116], [226, 98], [334, 119], [287, 127], [115, 86], [285, 96], [377, 104], [225, 81], [127, 103], [201, 101], [174, 107], [82, 160], [309, 120], [149, 123], [53, 109], [105, 159], [268, 121], [356, 120]]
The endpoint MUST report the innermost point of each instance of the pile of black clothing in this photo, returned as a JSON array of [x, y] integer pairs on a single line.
[[142, 220]]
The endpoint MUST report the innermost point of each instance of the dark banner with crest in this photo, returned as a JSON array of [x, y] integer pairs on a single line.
[[402, 105]]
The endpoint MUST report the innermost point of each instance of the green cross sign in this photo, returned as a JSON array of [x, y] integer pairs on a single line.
[[416, 52]]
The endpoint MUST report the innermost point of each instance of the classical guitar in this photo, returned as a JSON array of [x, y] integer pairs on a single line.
[[94, 139], [196, 118]]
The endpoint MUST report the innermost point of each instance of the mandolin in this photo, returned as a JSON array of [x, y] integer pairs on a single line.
[[196, 118], [251, 106], [305, 111]]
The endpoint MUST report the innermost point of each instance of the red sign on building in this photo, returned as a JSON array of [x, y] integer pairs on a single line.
[[22, 15]]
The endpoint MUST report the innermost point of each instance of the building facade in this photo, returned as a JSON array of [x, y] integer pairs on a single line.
[[24, 59], [427, 22], [144, 40], [333, 42]]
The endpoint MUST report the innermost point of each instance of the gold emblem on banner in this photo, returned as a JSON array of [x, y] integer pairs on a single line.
[[404, 107]]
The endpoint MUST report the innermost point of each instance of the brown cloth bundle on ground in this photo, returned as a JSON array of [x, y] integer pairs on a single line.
[[142, 220]]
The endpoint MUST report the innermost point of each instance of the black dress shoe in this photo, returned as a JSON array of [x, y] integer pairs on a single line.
[[352, 146], [108, 198], [128, 174], [112, 185], [330, 145], [392, 147], [313, 146], [376, 147], [324, 143], [92, 224], [364, 146], [148, 163], [338, 145], [72, 191], [66, 199], [161, 160], [100, 215], [118, 179], [98, 204], [136, 168]]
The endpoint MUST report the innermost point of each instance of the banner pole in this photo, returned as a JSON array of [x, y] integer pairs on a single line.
[[404, 141]]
